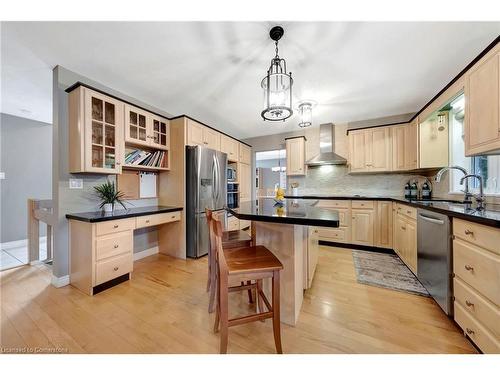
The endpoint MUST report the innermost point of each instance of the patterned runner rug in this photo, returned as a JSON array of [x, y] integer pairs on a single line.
[[386, 271]]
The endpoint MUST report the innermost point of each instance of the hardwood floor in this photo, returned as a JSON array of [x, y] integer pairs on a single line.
[[163, 309]]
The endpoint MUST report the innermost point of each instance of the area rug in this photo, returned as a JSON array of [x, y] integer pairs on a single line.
[[386, 271]]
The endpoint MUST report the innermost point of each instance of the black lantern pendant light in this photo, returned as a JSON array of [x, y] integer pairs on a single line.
[[277, 85]]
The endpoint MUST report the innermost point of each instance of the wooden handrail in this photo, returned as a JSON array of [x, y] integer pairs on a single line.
[[39, 210]]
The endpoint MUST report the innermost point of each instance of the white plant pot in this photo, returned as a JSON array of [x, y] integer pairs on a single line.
[[108, 207]]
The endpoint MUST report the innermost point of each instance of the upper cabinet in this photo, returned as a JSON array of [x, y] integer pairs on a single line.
[[245, 154], [482, 106], [229, 146], [95, 132], [198, 134], [404, 146], [145, 129], [295, 156], [370, 150]]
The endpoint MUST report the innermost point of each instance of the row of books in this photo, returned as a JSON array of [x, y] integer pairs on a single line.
[[146, 158]]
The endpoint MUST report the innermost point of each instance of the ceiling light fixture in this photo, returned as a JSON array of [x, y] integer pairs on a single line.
[[305, 113], [277, 85]]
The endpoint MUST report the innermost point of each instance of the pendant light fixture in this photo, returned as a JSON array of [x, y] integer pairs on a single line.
[[305, 113], [277, 85]]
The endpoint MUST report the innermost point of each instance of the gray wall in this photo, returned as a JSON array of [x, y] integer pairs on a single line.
[[66, 200], [26, 159]]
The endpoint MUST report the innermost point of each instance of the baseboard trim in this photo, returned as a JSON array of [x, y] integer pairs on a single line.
[[59, 282], [19, 243], [357, 247], [146, 253]]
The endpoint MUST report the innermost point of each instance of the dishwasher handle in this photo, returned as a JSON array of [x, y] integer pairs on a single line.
[[430, 219]]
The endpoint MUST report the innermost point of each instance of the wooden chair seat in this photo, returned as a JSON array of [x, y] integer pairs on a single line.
[[251, 259]]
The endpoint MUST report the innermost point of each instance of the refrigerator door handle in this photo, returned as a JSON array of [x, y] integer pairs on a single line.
[[218, 179], [214, 180]]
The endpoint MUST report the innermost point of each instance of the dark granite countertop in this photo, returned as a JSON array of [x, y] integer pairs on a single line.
[[294, 211], [98, 216], [454, 208]]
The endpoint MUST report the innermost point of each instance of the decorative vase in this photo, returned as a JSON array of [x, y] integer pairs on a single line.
[[108, 207], [295, 191]]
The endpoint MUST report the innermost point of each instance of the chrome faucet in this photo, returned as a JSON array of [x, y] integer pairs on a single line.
[[468, 194], [479, 197]]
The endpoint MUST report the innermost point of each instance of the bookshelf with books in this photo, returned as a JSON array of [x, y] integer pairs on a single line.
[[146, 159]]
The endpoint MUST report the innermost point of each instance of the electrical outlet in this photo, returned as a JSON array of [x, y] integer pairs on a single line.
[[75, 183]]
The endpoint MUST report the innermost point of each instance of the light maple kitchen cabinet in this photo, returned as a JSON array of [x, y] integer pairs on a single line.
[[198, 134], [146, 129], [404, 146], [370, 150], [311, 255], [295, 156], [476, 269], [245, 154], [343, 232], [229, 146], [95, 132], [383, 224], [362, 222], [482, 106], [405, 235], [244, 179]]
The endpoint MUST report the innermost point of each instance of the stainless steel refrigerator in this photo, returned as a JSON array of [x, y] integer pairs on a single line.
[[206, 187]]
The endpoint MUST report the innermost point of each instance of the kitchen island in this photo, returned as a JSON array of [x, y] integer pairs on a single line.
[[284, 229]]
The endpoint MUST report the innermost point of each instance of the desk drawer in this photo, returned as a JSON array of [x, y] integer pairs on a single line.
[[157, 219], [480, 235], [114, 244], [111, 268], [114, 226], [327, 203], [483, 338], [406, 210], [334, 234], [478, 268], [477, 306], [363, 204]]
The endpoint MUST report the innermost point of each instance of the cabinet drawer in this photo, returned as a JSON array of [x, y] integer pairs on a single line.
[[362, 204], [114, 226], [477, 306], [157, 219], [483, 338], [334, 234], [406, 210], [478, 234], [478, 268], [111, 268], [245, 224], [114, 244], [233, 223], [327, 203]]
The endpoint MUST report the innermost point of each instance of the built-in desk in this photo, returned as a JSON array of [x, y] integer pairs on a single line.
[[102, 244]]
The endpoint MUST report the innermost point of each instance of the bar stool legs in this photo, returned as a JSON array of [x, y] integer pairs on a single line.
[[276, 311]]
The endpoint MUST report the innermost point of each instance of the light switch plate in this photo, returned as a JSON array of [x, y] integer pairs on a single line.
[[75, 183], [2, 175]]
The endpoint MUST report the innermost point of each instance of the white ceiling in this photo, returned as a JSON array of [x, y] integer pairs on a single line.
[[212, 70]]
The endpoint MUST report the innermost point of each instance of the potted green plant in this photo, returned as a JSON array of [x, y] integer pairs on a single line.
[[109, 196]]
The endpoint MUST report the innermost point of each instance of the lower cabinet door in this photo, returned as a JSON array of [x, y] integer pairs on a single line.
[[111, 268], [362, 227]]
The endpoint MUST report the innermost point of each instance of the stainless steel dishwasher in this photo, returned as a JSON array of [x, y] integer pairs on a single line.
[[434, 263]]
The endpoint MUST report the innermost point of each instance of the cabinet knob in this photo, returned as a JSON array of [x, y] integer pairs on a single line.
[[147, 221], [116, 246], [115, 269], [469, 304], [118, 163], [468, 232], [173, 217], [408, 212], [403, 228], [115, 226], [469, 268], [469, 331]]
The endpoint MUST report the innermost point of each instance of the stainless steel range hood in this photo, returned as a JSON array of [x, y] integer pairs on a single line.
[[327, 155]]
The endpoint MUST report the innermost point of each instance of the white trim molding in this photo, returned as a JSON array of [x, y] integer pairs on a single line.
[[59, 282], [146, 253]]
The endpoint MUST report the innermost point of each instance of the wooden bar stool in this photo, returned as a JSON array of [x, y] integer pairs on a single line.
[[230, 240], [247, 263]]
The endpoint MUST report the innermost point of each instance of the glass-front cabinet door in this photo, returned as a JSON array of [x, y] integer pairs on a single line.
[[160, 133], [137, 124], [103, 122]]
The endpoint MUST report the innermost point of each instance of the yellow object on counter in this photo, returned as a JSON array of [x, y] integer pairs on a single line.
[[280, 194]]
